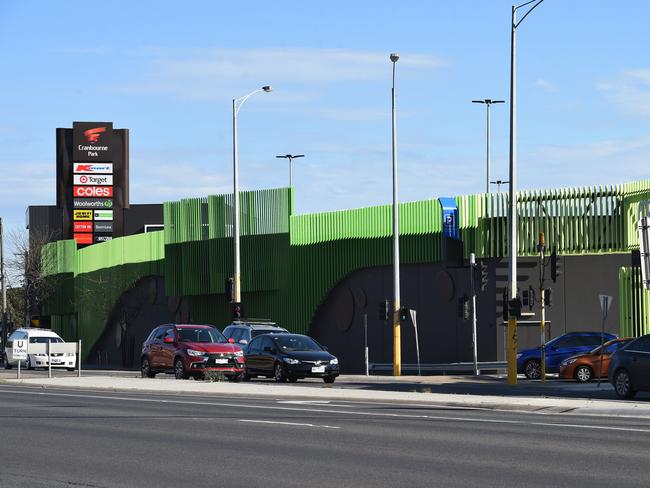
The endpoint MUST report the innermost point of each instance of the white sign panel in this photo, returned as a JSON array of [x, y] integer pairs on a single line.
[[103, 215], [605, 303], [93, 180], [94, 168], [20, 349]]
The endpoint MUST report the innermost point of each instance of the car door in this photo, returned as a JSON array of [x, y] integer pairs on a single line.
[[557, 353], [168, 349], [252, 355], [267, 355], [639, 364], [155, 347]]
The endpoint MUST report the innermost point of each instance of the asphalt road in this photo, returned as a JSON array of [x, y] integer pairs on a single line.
[[64, 438]]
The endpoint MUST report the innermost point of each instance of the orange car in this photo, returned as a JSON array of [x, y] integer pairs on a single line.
[[585, 367]]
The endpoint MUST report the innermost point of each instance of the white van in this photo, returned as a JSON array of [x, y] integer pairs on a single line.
[[37, 336]]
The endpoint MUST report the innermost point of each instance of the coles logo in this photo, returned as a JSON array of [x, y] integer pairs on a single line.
[[93, 191], [92, 135]]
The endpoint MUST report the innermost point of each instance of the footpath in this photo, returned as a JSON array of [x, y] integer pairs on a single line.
[[483, 392]]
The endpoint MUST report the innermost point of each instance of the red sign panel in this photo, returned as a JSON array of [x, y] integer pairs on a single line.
[[82, 227], [93, 191], [83, 238]]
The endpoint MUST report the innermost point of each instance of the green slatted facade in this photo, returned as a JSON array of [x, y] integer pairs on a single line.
[[635, 303], [291, 262]]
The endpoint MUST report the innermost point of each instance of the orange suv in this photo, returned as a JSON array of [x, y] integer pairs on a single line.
[[585, 367], [190, 350]]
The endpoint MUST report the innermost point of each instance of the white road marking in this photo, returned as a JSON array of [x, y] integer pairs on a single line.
[[348, 412], [289, 423]]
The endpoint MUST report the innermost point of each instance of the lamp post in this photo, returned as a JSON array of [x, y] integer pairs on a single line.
[[291, 157], [512, 213], [488, 102], [236, 106], [397, 343], [499, 183]]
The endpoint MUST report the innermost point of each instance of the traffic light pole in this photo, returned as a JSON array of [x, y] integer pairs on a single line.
[[472, 266]]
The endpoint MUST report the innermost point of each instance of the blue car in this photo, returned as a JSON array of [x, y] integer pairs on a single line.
[[557, 350]]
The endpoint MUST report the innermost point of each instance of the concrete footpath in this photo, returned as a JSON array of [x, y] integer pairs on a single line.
[[420, 390]]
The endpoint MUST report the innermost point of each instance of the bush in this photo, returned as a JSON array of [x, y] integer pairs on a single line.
[[213, 376]]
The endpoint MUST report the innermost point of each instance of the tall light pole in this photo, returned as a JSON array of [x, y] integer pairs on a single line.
[[291, 157], [487, 102], [512, 213], [236, 106], [397, 343]]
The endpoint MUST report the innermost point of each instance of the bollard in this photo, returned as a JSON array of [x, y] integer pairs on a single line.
[[79, 359], [49, 359]]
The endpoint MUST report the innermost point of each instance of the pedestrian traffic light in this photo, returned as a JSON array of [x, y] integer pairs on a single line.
[[236, 311], [384, 310], [556, 266], [547, 297], [403, 314], [484, 276], [463, 307], [230, 289]]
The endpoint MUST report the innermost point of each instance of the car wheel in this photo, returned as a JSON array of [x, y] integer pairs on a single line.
[[583, 374], [532, 369], [279, 375], [246, 377], [179, 369], [329, 379], [145, 369], [29, 363], [623, 385]]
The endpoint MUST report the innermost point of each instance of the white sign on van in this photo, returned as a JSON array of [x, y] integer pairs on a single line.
[[20, 349]]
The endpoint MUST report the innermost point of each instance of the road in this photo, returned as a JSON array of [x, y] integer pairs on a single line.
[[63, 438]]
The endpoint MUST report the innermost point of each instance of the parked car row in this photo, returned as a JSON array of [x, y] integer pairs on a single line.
[[243, 351]]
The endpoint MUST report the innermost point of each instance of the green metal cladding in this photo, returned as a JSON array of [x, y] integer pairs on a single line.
[[290, 262]]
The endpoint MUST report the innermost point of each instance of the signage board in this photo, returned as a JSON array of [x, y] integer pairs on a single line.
[[102, 238], [82, 226], [103, 215], [83, 238], [19, 349], [97, 168], [93, 179], [92, 141], [93, 191], [82, 215], [104, 226], [92, 203]]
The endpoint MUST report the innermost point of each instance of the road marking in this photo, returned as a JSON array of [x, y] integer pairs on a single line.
[[289, 423], [348, 412]]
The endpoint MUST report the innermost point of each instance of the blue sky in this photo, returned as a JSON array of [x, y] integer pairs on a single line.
[[168, 71]]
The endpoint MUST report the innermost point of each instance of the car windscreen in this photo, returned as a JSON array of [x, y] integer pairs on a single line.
[[297, 343], [44, 339], [200, 334]]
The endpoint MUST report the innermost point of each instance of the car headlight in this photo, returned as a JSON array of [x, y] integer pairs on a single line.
[[519, 354], [238, 354], [334, 361], [291, 361], [192, 352], [69, 354]]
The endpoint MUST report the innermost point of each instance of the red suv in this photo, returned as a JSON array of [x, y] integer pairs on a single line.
[[190, 350]]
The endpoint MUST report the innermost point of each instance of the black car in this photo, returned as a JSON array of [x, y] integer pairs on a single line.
[[289, 357], [629, 369], [245, 330]]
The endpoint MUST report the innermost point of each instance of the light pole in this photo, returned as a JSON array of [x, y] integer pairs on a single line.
[[499, 183], [291, 157], [397, 343], [512, 214], [236, 106], [488, 102]]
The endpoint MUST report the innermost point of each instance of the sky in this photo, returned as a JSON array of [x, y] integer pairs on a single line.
[[168, 72]]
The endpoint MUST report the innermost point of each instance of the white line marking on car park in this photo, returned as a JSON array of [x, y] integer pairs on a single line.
[[289, 423], [332, 411]]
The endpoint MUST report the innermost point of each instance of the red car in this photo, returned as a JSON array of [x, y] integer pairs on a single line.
[[190, 350]]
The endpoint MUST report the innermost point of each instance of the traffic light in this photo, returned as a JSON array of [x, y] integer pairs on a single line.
[[463, 307], [236, 311], [514, 307], [556, 266], [547, 297], [230, 289], [403, 314], [484, 276], [384, 310]]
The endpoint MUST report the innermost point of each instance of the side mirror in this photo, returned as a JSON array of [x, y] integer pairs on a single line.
[[231, 340], [168, 340]]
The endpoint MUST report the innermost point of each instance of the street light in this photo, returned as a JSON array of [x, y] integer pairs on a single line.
[[499, 183], [291, 157], [487, 103], [512, 214], [397, 345], [236, 106]]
